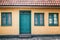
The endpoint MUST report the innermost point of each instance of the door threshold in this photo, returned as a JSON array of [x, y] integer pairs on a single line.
[[25, 35]]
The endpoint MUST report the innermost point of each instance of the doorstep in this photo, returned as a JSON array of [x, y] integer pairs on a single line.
[[25, 35]]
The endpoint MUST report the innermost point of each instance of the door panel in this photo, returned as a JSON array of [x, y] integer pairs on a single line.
[[25, 22]]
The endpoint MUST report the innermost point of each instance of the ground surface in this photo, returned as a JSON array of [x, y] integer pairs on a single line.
[[33, 38]]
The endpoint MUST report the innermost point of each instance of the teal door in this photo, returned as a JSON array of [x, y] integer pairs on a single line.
[[25, 22]]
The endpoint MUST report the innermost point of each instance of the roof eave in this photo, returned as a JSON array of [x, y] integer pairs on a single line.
[[29, 6]]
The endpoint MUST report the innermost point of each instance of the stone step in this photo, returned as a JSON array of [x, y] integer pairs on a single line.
[[25, 35]]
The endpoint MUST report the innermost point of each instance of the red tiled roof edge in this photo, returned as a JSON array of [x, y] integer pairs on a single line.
[[30, 2]]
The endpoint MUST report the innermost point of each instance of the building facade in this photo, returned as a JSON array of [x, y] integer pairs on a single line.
[[29, 17]]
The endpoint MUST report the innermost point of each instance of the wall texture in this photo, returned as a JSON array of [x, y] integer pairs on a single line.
[[40, 30]]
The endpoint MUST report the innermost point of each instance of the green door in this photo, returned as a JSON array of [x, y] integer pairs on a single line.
[[25, 22]]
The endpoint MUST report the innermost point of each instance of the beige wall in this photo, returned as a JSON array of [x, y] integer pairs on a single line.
[[14, 29]]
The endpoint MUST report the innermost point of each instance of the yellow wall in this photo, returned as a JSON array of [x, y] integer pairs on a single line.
[[14, 29]]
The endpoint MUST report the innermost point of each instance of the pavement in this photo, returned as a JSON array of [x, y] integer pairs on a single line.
[[33, 38]]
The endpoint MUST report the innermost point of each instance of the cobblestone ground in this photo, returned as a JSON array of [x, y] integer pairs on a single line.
[[34, 38]]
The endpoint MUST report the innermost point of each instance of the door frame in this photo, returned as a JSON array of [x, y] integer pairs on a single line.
[[19, 21]]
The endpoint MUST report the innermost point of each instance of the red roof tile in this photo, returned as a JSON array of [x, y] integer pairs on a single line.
[[29, 2]]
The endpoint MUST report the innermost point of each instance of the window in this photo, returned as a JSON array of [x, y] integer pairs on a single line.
[[53, 19], [6, 19], [39, 19]]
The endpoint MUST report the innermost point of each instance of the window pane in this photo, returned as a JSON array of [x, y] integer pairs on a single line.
[[36, 21], [55, 15], [9, 18], [55, 22], [4, 19], [55, 19], [41, 19], [50, 21]]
